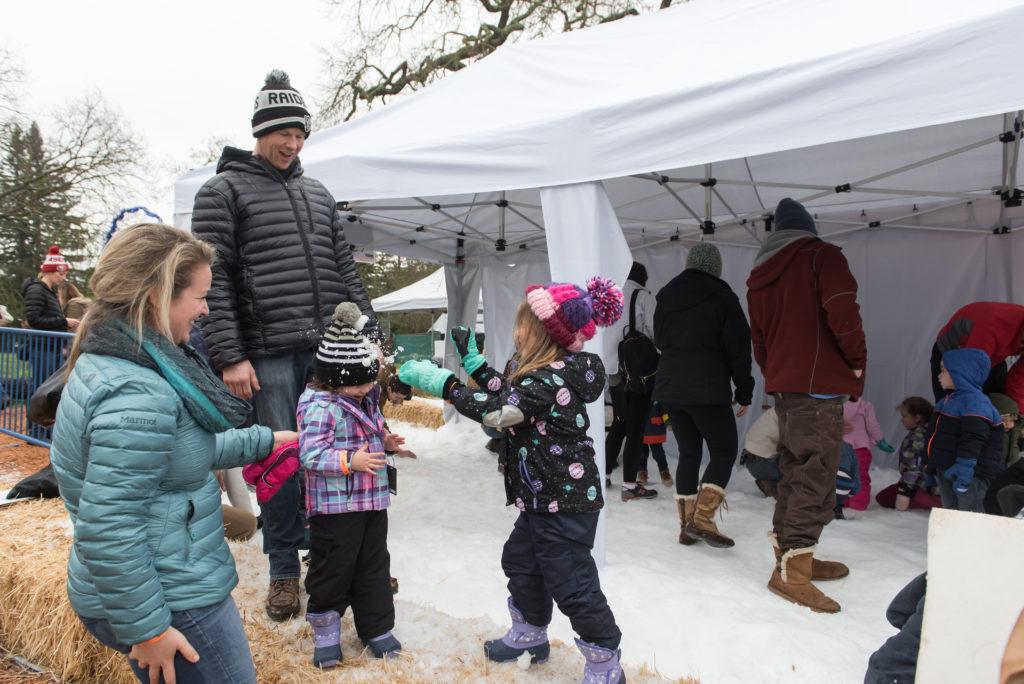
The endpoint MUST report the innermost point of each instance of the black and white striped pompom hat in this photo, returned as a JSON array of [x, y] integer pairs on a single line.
[[279, 106], [345, 357]]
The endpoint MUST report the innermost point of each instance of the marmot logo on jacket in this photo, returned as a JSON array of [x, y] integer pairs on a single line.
[[132, 420]]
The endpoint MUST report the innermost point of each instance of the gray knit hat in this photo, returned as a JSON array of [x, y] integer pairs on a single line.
[[345, 357], [279, 106], [704, 256]]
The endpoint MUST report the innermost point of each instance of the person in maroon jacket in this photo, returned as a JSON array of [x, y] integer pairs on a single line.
[[807, 338], [996, 328]]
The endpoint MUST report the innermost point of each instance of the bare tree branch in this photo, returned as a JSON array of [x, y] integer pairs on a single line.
[[425, 39]]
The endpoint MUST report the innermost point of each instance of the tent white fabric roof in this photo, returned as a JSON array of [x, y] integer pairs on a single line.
[[766, 91], [896, 122]]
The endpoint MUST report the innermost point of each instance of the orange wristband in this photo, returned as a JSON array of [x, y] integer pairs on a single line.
[[154, 639], [343, 464]]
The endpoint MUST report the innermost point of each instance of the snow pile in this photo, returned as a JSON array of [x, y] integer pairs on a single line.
[[686, 611]]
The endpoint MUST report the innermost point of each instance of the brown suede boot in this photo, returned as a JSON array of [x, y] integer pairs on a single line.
[[687, 504], [821, 570], [641, 477], [666, 478], [702, 524], [791, 580]]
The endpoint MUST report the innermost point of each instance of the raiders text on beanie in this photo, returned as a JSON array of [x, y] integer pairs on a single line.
[[278, 106]]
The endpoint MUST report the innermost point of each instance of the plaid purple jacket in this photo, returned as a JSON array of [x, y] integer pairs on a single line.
[[331, 427]]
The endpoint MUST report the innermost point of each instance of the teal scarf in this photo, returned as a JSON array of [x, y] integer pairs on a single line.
[[205, 397]]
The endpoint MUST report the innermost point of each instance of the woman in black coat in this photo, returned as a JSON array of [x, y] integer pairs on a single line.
[[43, 312], [704, 339]]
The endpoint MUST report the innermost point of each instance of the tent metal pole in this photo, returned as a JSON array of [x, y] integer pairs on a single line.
[[502, 206], [902, 226], [708, 188], [745, 224], [1018, 123], [907, 167], [523, 216], [679, 199], [444, 213]]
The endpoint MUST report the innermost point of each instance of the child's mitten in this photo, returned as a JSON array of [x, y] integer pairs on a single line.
[[465, 343], [425, 375], [961, 473]]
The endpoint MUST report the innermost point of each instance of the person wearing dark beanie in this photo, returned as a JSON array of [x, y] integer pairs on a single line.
[[808, 339], [704, 339], [791, 215], [283, 265]]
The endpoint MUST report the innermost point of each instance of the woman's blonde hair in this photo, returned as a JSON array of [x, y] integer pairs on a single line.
[[538, 349], [66, 291], [144, 259]]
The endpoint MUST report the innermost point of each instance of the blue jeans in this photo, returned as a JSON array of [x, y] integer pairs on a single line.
[[971, 500], [217, 634], [282, 379]]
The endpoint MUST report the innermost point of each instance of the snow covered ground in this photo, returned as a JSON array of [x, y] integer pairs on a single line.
[[683, 611], [688, 611]]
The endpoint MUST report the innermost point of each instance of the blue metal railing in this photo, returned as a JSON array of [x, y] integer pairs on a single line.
[[27, 357]]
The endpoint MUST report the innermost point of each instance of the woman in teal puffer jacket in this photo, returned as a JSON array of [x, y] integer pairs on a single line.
[[142, 423]]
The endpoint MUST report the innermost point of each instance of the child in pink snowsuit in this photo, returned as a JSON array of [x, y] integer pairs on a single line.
[[864, 433]]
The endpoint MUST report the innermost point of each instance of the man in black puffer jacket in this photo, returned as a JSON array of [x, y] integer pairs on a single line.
[[282, 266]]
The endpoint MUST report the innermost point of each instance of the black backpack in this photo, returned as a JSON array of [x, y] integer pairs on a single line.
[[638, 357]]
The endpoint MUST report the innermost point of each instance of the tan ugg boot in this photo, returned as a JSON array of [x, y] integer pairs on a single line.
[[702, 524], [821, 570], [791, 580], [687, 504]]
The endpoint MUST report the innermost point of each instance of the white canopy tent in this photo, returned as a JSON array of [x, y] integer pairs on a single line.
[[426, 294], [897, 123]]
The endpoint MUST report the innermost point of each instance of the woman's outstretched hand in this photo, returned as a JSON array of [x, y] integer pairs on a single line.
[[282, 437], [158, 655]]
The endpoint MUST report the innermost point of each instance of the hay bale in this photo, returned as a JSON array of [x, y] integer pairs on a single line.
[[37, 623], [416, 411], [36, 620]]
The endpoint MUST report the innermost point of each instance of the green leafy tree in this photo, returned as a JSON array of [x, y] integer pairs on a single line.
[[434, 37]]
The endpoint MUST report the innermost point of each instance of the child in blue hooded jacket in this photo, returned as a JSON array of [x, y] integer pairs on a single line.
[[965, 435]]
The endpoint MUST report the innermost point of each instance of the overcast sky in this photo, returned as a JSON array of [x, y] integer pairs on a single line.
[[180, 73]]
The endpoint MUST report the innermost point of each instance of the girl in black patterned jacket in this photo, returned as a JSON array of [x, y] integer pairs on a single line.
[[550, 472]]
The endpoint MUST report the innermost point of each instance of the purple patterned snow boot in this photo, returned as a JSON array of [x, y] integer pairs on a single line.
[[520, 638], [384, 646], [326, 636], [602, 664]]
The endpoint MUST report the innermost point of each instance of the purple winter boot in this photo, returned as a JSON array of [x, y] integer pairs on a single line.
[[326, 636], [602, 664], [520, 638]]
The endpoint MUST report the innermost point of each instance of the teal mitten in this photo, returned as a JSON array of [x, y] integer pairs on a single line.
[[465, 343], [425, 375], [884, 446]]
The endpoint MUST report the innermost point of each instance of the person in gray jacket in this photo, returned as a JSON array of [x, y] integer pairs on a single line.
[[142, 423], [283, 265]]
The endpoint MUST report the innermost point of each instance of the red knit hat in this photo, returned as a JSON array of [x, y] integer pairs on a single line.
[[569, 313], [54, 262]]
